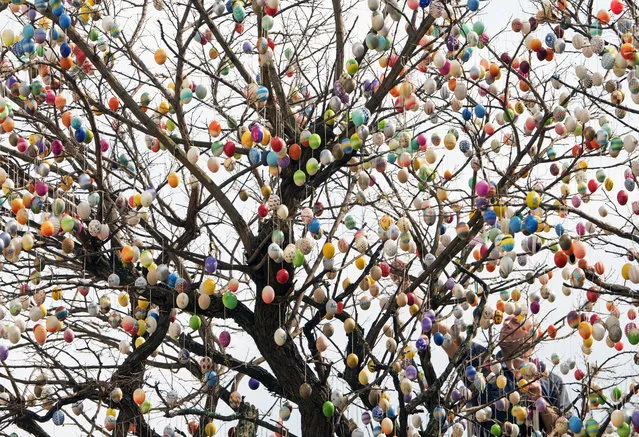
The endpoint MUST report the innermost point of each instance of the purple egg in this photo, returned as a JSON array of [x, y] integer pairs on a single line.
[[427, 324], [456, 395], [57, 147], [430, 314], [411, 372], [408, 397], [225, 338], [210, 264], [481, 188], [4, 353], [481, 203], [535, 307], [581, 229], [366, 418], [540, 403], [635, 418], [421, 344], [247, 47], [284, 162], [253, 384]]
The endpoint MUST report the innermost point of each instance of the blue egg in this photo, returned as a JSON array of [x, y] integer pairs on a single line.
[[211, 379], [314, 226], [255, 156], [28, 46], [550, 40], [391, 412], [80, 135], [480, 111], [531, 224], [471, 373], [468, 52], [574, 424], [559, 229], [173, 277], [76, 122], [58, 418], [65, 50], [271, 159], [58, 11], [424, 3], [438, 338], [18, 49], [515, 224], [65, 21], [473, 5], [467, 113], [378, 413], [490, 216], [28, 31]]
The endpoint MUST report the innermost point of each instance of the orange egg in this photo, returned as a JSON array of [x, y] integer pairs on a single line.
[[535, 44], [66, 63], [552, 331], [7, 124], [47, 229], [114, 104], [160, 56], [550, 54], [585, 329], [603, 16], [173, 179], [66, 118], [127, 254], [60, 102], [295, 152], [395, 91], [22, 216], [40, 333], [600, 269], [627, 50], [215, 128], [16, 205]]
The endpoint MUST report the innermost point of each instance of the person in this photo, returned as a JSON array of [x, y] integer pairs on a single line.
[[544, 393]]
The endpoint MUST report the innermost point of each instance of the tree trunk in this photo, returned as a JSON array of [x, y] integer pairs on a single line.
[[315, 424], [246, 428]]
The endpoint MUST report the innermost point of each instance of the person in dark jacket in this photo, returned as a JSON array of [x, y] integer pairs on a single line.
[[543, 394]]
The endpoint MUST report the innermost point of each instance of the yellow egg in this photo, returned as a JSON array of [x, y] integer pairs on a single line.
[[360, 263], [328, 250], [209, 286], [352, 361]]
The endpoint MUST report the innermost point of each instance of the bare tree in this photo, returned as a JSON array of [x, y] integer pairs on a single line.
[[195, 194]]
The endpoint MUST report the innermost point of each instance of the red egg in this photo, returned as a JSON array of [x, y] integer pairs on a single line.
[[561, 259], [579, 374], [619, 346], [592, 185], [616, 7], [282, 276], [262, 210], [229, 148], [622, 197], [385, 269], [592, 295]]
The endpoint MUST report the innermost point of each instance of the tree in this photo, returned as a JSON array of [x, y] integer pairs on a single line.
[[196, 195]]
